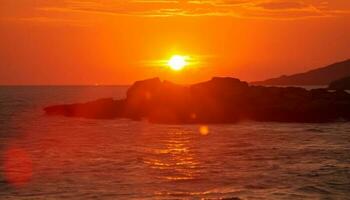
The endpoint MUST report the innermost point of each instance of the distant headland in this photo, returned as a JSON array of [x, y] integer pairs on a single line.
[[219, 100], [319, 76], [340, 84]]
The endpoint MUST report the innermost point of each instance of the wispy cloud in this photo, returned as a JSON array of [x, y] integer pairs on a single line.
[[282, 5], [73, 22], [272, 9]]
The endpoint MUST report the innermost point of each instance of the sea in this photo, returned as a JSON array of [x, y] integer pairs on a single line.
[[55, 157]]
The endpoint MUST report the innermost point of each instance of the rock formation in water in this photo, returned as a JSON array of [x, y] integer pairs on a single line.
[[320, 76], [341, 84], [220, 100]]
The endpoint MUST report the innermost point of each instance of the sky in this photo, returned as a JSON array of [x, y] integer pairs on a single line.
[[79, 42]]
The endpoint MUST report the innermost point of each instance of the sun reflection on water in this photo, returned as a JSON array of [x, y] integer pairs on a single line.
[[175, 159]]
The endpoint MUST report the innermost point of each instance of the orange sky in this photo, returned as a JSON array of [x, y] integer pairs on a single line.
[[120, 41]]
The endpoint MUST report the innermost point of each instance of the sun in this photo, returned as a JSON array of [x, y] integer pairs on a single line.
[[177, 62]]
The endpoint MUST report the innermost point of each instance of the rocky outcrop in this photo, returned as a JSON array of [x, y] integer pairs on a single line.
[[99, 109], [220, 100], [341, 84]]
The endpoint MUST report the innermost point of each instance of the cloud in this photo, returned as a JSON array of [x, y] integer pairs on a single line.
[[276, 9], [283, 5], [272, 9], [51, 20]]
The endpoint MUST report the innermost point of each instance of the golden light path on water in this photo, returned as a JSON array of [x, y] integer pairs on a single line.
[[176, 156]]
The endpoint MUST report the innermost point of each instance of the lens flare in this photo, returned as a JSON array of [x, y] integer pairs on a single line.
[[18, 167], [204, 130]]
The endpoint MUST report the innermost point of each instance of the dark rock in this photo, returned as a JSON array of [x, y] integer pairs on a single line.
[[143, 90], [321, 94], [220, 100], [157, 101], [340, 84], [99, 109]]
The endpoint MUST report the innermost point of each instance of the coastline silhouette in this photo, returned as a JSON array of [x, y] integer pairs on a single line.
[[219, 100], [318, 76], [340, 84]]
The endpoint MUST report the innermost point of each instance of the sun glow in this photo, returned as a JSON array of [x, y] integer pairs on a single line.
[[177, 62]]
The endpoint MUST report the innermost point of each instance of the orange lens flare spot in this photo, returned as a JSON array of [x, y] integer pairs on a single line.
[[204, 130], [18, 167], [193, 116]]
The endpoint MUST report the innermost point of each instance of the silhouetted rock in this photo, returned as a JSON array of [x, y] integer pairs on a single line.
[[341, 84], [99, 109], [320, 76], [220, 100]]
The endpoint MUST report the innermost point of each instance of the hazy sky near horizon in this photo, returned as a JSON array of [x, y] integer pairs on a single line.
[[120, 41]]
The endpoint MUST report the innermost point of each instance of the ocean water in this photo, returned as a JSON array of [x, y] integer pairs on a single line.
[[44, 157]]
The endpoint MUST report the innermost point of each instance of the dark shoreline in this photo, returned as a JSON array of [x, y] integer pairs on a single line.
[[219, 100]]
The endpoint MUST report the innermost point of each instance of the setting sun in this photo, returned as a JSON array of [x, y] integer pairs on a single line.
[[165, 99], [177, 62]]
